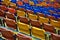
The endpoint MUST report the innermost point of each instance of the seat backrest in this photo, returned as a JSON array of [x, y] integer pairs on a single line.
[[20, 3], [48, 27], [24, 20], [29, 11], [31, 2], [33, 17], [2, 13], [35, 23], [10, 23], [24, 28], [7, 34], [40, 14], [12, 10], [38, 33], [43, 20], [55, 36], [20, 13], [10, 16], [55, 23], [23, 37]]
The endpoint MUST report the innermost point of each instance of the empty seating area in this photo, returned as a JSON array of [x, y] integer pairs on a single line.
[[29, 20]]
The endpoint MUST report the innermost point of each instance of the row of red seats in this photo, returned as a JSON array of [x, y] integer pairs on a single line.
[[10, 35]]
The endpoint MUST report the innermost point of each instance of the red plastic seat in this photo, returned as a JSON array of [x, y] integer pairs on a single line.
[[55, 36], [29, 11], [23, 37], [40, 14], [3, 7], [2, 14], [8, 34], [24, 20], [10, 16], [12, 10], [10, 23], [48, 27], [35, 23]]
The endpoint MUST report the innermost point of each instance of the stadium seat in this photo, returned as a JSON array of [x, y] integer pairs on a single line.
[[21, 13], [38, 33], [10, 23], [35, 23], [19, 3], [50, 17], [2, 14], [31, 2], [43, 20], [55, 23], [13, 5], [25, 1], [6, 2], [24, 28], [5, 34], [10, 16], [23, 37], [55, 36], [12, 10], [32, 16], [48, 27], [3, 7], [29, 11], [24, 20], [40, 14]]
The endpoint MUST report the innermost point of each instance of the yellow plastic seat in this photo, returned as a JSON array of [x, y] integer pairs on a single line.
[[55, 23], [7, 2], [31, 2], [43, 20], [38, 33], [24, 28], [33, 17], [20, 13]]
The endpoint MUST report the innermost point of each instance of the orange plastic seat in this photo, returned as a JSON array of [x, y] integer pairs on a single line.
[[10, 23], [35, 23], [20, 3], [55, 36], [48, 28], [24, 20]]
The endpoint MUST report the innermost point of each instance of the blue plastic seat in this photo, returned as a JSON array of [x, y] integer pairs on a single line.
[[56, 15], [14, 1]]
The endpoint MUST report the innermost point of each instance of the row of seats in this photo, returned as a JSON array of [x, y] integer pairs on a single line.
[[34, 8], [10, 35], [14, 36]]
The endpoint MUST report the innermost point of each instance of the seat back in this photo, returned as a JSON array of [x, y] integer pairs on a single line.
[[43, 20], [40, 14], [33, 17], [24, 20], [7, 34], [10, 16], [23, 37], [55, 23], [38, 33], [20, 13], [55, 36], [2, 14], [48, 27], [24, 28], [35, 23], [10, 23], [31, 2]]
